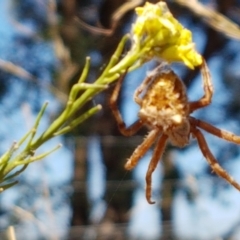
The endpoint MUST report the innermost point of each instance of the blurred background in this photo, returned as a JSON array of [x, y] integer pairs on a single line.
[[82, 191]]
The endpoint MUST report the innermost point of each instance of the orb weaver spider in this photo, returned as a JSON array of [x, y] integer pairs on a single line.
[[165, 110]]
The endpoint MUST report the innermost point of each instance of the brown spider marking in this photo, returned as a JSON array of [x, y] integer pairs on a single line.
[[165, 110]]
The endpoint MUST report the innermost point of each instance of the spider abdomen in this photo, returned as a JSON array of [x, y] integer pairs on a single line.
[[165, 105], [165, 101]]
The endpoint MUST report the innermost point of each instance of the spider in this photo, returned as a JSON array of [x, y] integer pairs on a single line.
[[165, 110]]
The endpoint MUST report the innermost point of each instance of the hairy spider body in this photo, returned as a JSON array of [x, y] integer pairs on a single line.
[[165, 106], [165, 110]]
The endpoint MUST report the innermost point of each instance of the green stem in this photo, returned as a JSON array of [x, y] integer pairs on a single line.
[[85, 71], [110, 74], [34, 129], [79, 120]]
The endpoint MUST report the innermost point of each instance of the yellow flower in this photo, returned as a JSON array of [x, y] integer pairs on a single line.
[[162, 36]]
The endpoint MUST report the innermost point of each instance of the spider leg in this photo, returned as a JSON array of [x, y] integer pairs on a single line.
[[228, 136], [208, 90], [211, 159], [158, 151], [141, 150], [126, 131], [139, 90]]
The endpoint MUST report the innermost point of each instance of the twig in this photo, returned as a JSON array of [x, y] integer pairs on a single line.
[[213, 18]]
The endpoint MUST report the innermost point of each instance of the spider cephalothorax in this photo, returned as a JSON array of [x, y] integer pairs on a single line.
[[165, 110]]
